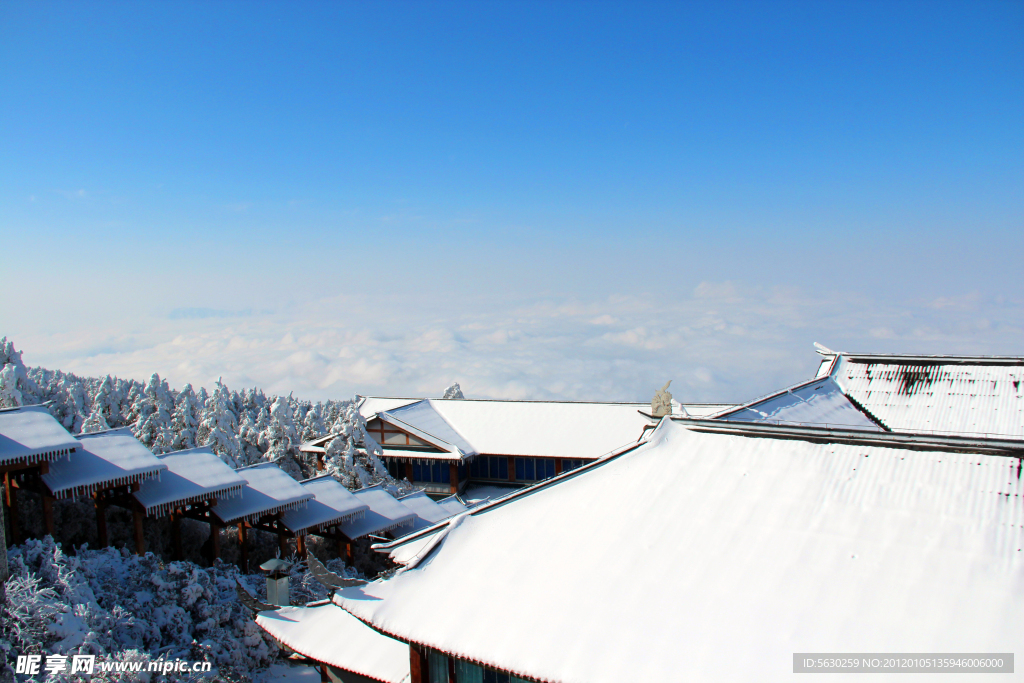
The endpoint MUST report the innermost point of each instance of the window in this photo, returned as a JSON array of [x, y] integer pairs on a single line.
[[467, 672], [499, 467], [437, 667]]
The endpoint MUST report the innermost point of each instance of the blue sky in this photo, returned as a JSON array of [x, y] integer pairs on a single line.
[[385, 197]]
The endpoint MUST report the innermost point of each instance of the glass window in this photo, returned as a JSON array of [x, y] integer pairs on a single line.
[[474, 468], [529, 469], [446, 473], [467, 672], [417, 475], [462, 471], [520, 469], [437, 667]]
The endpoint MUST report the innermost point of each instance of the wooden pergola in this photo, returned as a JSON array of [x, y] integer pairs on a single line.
[[194, 481], [384, 516], [30, 440], [109, 466], [332, 506]]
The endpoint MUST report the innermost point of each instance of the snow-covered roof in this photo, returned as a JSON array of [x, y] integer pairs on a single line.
[[816, 402], [723, 555], [332, 503], [103, 460], [937, 393], [424, 421], [385, 513], [559, 429], [268, 489], [453, 505], [428, 513], [326, 633], [192, 476], [30, 434]]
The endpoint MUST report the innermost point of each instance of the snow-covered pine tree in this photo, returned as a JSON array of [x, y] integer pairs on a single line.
[[279, 436], [219, 426], [184, 419], [153, 415], [454, 391]]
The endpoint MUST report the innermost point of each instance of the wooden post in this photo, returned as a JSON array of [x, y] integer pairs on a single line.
[[176, 535], [47, 512], [138, 516], [453, 471], [408, 470], [12, 507], [418, 665], [101, 520], [282, 544], [300, 546], [324, 678], [511, 468], [243, 549], [319, 462], [214, 542], [558, 466]]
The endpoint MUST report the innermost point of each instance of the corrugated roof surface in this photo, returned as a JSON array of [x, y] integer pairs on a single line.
[[819, 402], [937, 395], [191, 476], [327, 633], [30, 434], [332, 503], [268, 489], [718, 557], [103, 459]]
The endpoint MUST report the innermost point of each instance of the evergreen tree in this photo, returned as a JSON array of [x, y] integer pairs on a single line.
[[220, 426]]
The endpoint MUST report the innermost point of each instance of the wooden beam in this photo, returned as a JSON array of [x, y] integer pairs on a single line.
[[176, 535], [138, 517], [408, 470], [300, 546], [418, 665], [214, 541], [101, 520], [511, 468], [453, 475], [558, 466], [243, 549]]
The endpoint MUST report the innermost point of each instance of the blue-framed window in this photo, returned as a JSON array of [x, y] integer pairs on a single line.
[[534, 469]]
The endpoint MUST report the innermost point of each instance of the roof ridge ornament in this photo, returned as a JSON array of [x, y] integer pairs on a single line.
[[661, 404], [824, 350]]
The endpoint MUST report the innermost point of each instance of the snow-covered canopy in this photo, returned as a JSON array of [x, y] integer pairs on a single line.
[[428, 513], [384, 513], [268, 489], [192, 475], [453, 505], [937, 393], [326, 633], [423, 420], [722, 556], [818, 402], [30, 434], [103, 460], [332, 503]]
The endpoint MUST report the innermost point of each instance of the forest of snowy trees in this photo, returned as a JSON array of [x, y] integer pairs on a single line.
[[66, 598]]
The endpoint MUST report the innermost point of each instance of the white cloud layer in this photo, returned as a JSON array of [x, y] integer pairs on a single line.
[[719, 342]]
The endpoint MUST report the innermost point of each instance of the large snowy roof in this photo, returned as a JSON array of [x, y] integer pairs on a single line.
[[326, 633], [384, 514], [268, 489], [540, 428], [723, 555], [332, 503], [817, 402], [30, 434], [103, 460], [428, 513], [423, 420], [192, 476], [453, 505], [937, 393]]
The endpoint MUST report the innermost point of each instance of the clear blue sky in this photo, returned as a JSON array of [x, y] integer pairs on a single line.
[[241, 156]]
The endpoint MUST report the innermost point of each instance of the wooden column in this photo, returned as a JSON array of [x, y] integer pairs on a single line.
[[243, 549], [47, 511], [558, 466], [300, 546], [453, 470], [214, 541], [101, 520], [282, 544], [345, 550], [418, 665], [408, 470], [11, 494], [319, 462], [176, 535], [324, 678], [138, 517], [511, 468]]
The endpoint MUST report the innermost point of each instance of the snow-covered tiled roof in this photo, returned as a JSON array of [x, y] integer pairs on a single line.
[[332, 503], [723, 555], [192, 476], [268, 489], [819, 402], [326, 633], [103, 460], [30, 434], [935, 393], [452, 505], [424, 421], [428, 513], [384, 514]]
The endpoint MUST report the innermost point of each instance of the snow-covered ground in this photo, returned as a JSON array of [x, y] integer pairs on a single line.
[[479, 493], [290, 673]]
